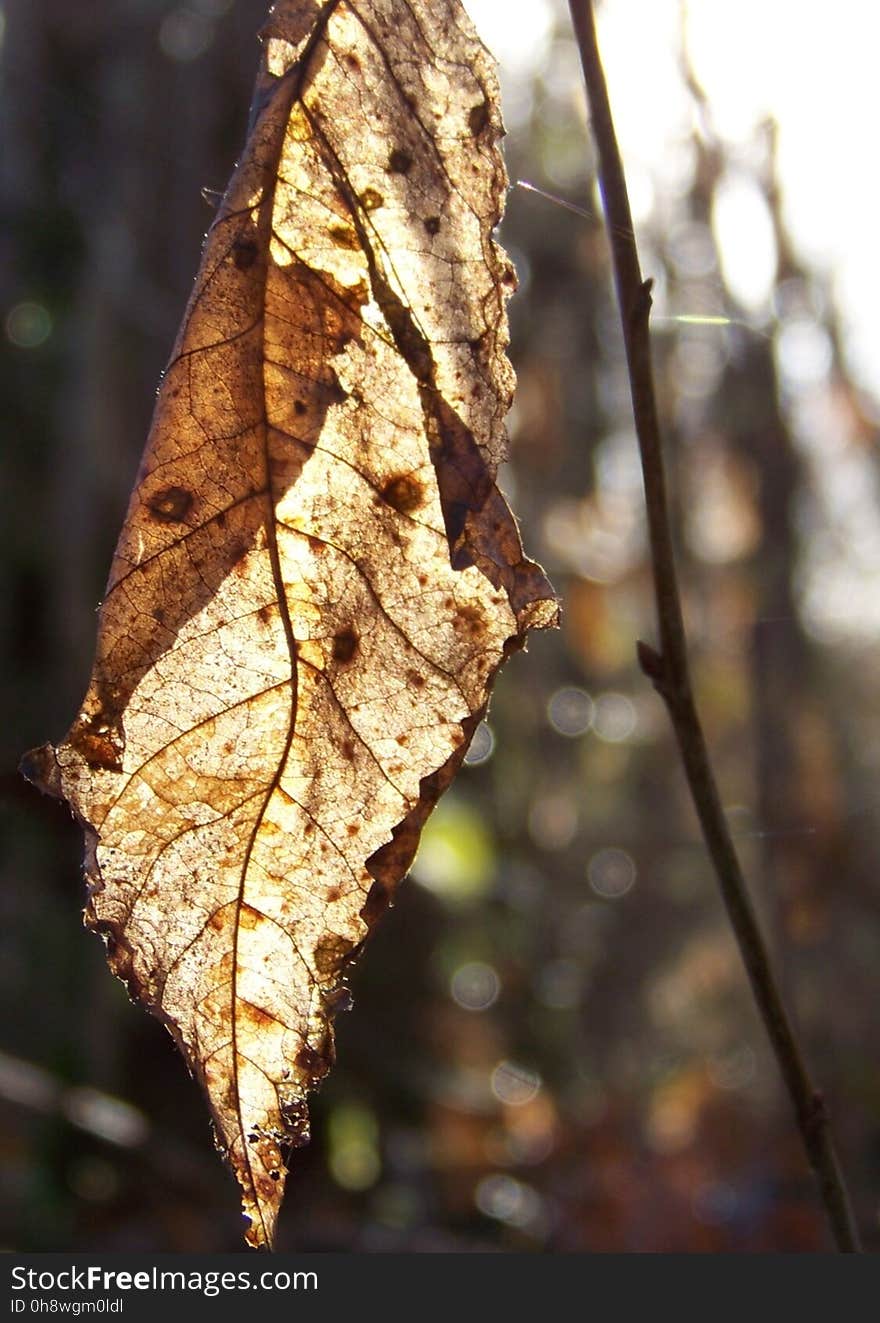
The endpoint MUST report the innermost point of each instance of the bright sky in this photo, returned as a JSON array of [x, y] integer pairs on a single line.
[[812, 68]]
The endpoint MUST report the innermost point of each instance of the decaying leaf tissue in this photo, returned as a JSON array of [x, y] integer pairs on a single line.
[[317, 579]]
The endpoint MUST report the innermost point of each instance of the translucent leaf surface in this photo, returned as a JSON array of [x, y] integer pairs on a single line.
[[317, 578]]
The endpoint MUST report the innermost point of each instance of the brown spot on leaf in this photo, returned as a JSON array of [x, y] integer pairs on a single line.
[[400, 162], [98, 742], [170, 505], [403, 493], [343, 236], [345, 645], [432, 224], [248, 917], [471, 620], [371, 200], [478, 117], [245, 253], [330, 952], [311, 1062], [261, 1019]]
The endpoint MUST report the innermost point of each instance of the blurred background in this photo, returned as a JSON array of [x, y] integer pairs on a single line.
[[552, 1046]]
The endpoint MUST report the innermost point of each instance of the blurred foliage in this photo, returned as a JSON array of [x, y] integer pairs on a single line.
[[553, 1047]]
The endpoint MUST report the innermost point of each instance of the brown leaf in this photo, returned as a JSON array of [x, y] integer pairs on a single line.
[[317, 578]]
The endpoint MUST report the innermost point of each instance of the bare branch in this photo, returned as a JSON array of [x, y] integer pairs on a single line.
[[668, 668]]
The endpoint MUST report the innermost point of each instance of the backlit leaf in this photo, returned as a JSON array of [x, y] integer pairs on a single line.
[[317, 578]]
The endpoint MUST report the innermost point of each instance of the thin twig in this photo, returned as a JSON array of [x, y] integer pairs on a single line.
[[668, 669]]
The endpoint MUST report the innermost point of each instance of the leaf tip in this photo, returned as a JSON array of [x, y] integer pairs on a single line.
[[259, 1228], [261, 1198]]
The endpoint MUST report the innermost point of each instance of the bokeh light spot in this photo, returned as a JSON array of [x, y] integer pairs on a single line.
[[456, 859], [570, 711], [353, 1139], [611, 873], [482, 746], [515, 1085], [93, 1179], [743, 228], [184, 36], [507, 1200], [28, 325], [691, 249], [804, 353], [614, 718], [553, 820], [110, 1119], [475, 986], [699, 360]]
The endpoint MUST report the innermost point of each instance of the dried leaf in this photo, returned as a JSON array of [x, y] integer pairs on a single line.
[[317, 578]]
